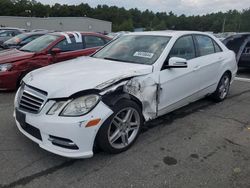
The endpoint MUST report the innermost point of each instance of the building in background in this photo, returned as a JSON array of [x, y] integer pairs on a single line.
[[57, 23]]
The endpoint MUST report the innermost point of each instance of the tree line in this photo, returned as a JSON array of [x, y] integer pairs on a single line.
[[127, 20]]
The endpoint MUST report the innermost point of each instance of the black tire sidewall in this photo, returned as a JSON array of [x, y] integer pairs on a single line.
[[102, 135]]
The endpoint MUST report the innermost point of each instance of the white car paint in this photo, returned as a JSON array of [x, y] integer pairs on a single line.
[[67, 74], [160, 91]]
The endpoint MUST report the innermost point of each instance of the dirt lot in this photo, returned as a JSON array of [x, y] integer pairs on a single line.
[[201, 145]]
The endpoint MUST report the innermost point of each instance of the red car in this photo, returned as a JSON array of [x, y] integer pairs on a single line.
[[43, 51]]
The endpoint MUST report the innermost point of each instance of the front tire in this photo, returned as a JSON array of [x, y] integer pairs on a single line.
[[119, 132], [223, 88]]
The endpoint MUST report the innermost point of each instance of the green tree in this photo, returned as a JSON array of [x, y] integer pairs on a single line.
[[123, 19]]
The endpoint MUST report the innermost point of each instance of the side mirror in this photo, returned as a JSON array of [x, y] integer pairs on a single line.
[[55, 51], [176, 62]]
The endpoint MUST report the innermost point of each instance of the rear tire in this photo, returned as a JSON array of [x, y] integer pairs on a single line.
[[223, 88], [119, 132]]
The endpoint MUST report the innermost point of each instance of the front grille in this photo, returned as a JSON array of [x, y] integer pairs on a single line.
[[31, 99]]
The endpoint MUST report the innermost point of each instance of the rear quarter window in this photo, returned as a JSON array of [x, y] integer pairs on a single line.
[[217, 48]]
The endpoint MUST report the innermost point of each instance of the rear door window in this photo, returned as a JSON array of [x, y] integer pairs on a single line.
[[7, 34], [205, 45], [67, 47], [94, 41]]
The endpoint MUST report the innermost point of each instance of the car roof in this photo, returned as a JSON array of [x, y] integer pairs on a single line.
[[169, 33], [70, 33], [36, 33], [3, 30], [11, 28], [236, 36], [240, 34]]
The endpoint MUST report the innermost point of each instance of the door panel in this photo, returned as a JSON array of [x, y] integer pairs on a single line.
[[39, 61], [63, 56], [210, 62], [179, 85], [209, 70]]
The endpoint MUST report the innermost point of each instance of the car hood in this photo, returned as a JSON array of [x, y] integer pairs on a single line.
[[12, 55], [83, 73]]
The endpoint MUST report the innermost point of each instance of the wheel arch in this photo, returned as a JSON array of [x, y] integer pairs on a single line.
[[228, 72], [111, 99]]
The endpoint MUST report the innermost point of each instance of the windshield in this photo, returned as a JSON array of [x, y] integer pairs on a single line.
[[141, 49], [40, 43], [17, 39]]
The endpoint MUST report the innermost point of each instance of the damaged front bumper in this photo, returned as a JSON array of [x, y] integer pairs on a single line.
[[64, 136]]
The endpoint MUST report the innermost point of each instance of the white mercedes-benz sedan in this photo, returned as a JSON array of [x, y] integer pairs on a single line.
[[104, 100]]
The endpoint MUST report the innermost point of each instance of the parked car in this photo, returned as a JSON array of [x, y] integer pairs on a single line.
[[40, 30], [8, 34], [21, 40], [14, 28], [106, 98], [223, 36], [43, 51], [240, 44]]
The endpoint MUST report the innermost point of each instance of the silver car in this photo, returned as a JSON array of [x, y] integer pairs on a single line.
[[8, 34]]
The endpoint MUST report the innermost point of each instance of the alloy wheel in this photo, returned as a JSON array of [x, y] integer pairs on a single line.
[[224, 87], [124, 128]]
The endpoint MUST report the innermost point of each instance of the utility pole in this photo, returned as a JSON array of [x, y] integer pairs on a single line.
[[239, 19], [224, 23]]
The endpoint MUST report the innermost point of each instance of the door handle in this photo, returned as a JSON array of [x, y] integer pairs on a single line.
[[197, 67]]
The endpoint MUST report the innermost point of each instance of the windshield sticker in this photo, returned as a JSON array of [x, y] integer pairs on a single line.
[[143, 54]]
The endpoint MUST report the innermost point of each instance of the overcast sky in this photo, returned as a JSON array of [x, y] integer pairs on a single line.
[[188, 7]]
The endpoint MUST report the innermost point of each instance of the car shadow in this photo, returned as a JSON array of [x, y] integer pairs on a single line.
[[168, 119]]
